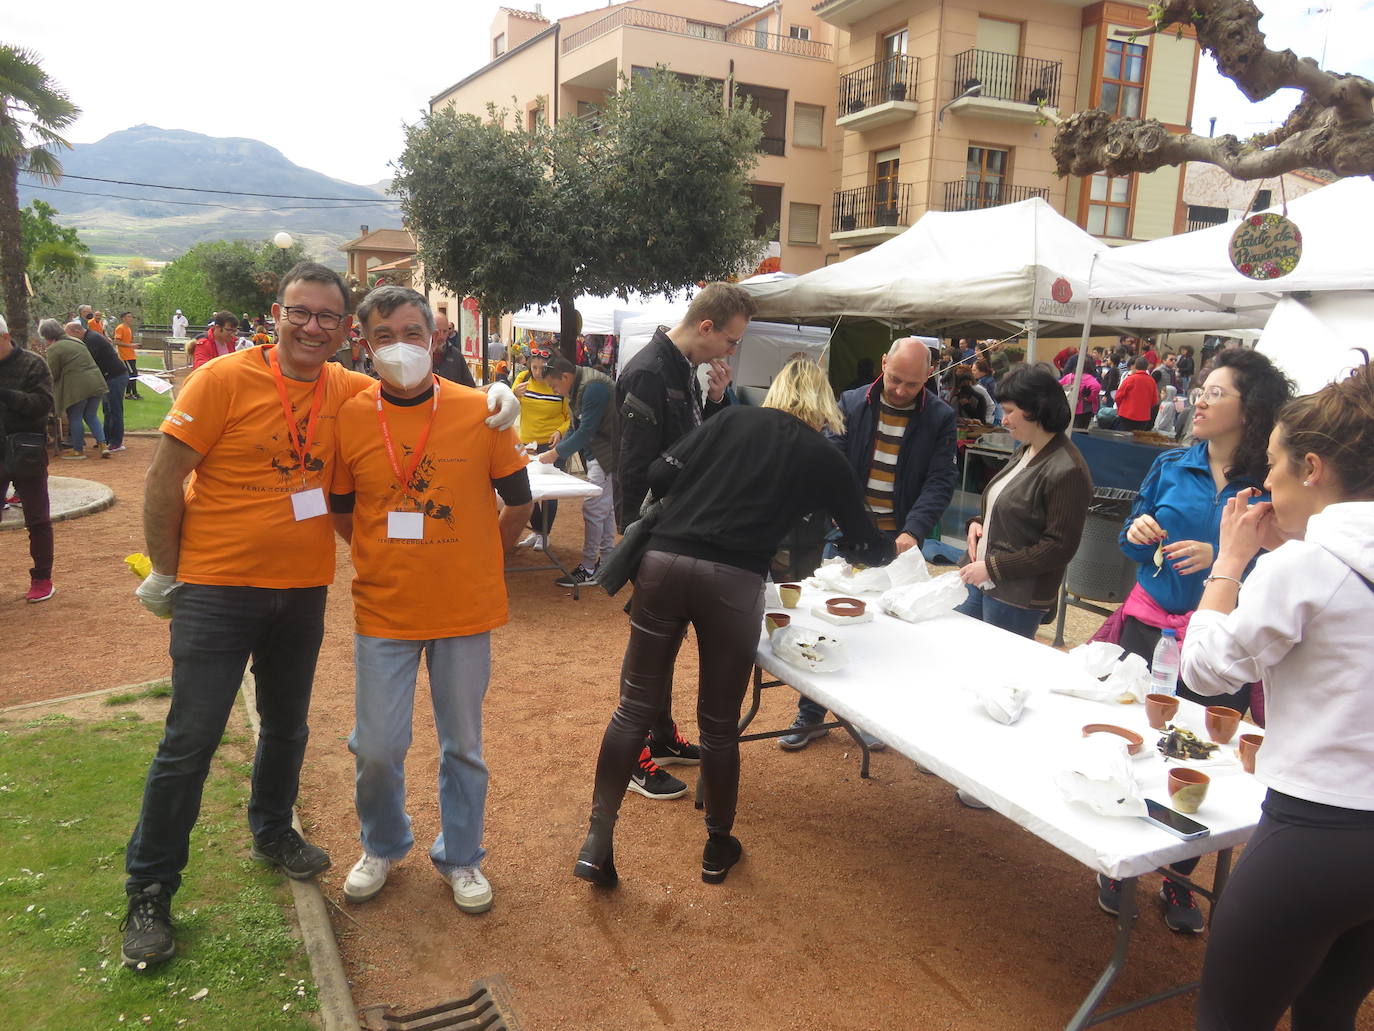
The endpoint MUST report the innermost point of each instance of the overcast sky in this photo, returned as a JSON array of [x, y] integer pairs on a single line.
[[254, 68]]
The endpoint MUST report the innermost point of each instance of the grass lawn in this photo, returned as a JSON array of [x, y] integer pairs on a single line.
[[69, 795], [147, 414]]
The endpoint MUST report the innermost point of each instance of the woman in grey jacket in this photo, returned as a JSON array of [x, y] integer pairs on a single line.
[[1033, 510]]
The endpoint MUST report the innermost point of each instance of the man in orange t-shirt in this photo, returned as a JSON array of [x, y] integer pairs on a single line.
[[124, 343], [413, 493]]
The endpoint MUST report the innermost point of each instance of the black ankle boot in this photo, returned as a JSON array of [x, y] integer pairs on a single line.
[[596, 862], [722, 852]]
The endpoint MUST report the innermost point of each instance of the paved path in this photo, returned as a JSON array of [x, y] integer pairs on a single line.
[[70, 498]]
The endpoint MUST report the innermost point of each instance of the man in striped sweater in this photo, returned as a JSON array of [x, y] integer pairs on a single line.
[[899, 439]]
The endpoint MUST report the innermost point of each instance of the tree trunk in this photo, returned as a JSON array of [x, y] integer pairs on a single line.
[[12, 257], [482, 341], [570, 324]]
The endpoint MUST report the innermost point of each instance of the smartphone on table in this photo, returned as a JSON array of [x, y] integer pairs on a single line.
[[1173, 821]]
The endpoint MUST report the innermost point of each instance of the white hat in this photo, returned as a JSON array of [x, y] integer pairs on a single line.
[[178, 311]]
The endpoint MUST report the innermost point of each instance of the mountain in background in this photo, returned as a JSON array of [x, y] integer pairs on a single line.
[[159, 224]]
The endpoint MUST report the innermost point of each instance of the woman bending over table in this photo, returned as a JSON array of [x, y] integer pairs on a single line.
[[1295, 926], [1172, 534], [734, 487]]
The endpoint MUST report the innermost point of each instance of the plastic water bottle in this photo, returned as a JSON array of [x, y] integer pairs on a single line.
[[1164, 665]]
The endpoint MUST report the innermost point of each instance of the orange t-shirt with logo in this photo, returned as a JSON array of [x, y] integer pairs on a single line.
[[452, 582], [124, 340], [239, 529]]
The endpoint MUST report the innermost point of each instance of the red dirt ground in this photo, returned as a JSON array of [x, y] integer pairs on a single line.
[[879, 904]]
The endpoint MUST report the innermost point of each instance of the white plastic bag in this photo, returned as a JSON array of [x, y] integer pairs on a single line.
[[1097, 658], [914, 602], [908, 568], [1002, 702], [821, 653], [1130, 679], [1097, 773]]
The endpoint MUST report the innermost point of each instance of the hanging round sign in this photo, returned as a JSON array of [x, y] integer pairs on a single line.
[[1266, 246]]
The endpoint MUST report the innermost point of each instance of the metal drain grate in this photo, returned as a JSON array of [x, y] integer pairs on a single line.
[[488, 1008]]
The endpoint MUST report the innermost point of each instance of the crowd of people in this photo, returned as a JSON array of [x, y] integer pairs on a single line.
[[1253, 546]]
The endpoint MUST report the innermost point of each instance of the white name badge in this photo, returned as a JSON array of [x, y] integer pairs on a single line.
[[405, 526], [307, 504]]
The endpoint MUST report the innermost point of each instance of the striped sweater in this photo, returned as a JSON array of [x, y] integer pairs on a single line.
[[880, 490]]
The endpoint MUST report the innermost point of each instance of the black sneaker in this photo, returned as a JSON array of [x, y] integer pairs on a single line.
[[296, 857], [1181, 912], [1109, 895], [803, 732], [147, 929], [651, 782], [579, 576], [722, 852], [675, 752]]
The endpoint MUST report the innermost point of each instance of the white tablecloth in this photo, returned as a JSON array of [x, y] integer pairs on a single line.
[[905, 683], [549, 483]]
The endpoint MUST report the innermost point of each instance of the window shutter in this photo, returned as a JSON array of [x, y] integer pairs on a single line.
[[803, 223], [808, 123]]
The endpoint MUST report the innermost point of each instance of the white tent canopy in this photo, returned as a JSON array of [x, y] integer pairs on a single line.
[[1014, 263], [598, 313], [1311, 340], [1194, 269], [763, 350]]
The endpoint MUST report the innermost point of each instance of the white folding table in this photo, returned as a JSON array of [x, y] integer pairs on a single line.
[[549, 483], [907, 685]]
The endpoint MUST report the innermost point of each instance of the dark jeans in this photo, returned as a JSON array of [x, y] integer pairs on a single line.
[[1296, 924], [981, 605], [132, 389], [114, 409], [543, 513], [215, 631], [724, 605], [33, 495], [1134, 424], [1082, 420]]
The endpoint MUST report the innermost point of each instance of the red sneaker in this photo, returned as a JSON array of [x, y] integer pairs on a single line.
[[40, 590]]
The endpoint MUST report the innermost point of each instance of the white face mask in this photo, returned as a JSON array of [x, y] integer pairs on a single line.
[[403, 365]]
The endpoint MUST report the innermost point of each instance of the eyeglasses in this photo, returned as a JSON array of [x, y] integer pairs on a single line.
[[1214, 394], [301, 317]]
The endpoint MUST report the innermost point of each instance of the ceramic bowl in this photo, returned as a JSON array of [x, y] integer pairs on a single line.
[[1134, 742], [1221, 723], [845, 607], [1187, 788]]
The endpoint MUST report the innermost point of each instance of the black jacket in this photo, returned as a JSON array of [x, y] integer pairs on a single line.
[[654, 397], [450, 364], [926, 470], [104, 354], [25, 393]]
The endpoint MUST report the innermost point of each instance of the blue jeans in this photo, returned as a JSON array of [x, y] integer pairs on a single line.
[[114, 409], [215, 631], [89, 411], [979, 605], [459, 668]]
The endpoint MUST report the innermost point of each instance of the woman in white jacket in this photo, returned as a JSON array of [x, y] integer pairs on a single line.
[[1295, 927]]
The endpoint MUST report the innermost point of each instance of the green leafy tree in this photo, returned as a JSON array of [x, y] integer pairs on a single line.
[[651, 196], [58, 292], [56, 256], [38, 222], [182, 284], [33, 112], [221, 275]]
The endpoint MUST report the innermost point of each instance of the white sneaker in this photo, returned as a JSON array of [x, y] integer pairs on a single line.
[[541, 542], [367, 878], [529, 542], [471, 891]]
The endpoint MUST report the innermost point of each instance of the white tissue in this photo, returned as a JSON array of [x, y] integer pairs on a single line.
[[821, 653], [1097, 773], [1097, 658], [914, 602], [1002, 702], [1131, 677]]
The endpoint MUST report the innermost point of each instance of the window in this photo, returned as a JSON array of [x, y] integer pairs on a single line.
[[803, 223], [772, 104], [1109, 207], [886, 165], [808, 125], [799, 32], [1263, 199], [498, 46], [1123, 78], [768, 199], [761, 34], [894, 62], [704, 30], [984, 176]]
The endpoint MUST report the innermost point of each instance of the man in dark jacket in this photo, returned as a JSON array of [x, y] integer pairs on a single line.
[[25, 404], [899, 439], [596, 435], [116, 375], [658, 401]]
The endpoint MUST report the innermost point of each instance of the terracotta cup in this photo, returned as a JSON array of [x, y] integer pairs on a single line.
[[845, 607], [1134, 742], [1187, 788], [1249, 745], [1222, 723], [776, 620], [1160, 709], [790, 595]]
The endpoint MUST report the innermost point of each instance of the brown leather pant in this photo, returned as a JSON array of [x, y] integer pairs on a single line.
[[723, 604]]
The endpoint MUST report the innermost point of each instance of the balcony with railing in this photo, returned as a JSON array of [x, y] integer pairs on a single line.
[[739, 35], [1203, 223], [881, 93], [870, 214], [1011, 87], [973, 194]]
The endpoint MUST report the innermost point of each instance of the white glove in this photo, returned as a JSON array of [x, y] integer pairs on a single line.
[[503, 405], [155, 593]]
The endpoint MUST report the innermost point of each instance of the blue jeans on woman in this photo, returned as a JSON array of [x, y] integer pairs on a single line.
[[384, 694], [89, 412], [215, 631], [981, 605]]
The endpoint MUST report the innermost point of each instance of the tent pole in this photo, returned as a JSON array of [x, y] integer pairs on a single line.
[[1078, 370], [1034, 327]]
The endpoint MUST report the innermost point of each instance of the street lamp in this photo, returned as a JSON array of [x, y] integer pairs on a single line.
[[283, 240], [971, 89]]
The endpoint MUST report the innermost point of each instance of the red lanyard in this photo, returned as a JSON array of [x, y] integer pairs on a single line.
[[404, 477], [298, 443]]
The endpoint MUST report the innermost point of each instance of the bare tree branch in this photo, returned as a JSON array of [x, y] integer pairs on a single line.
[[1332, 127]]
